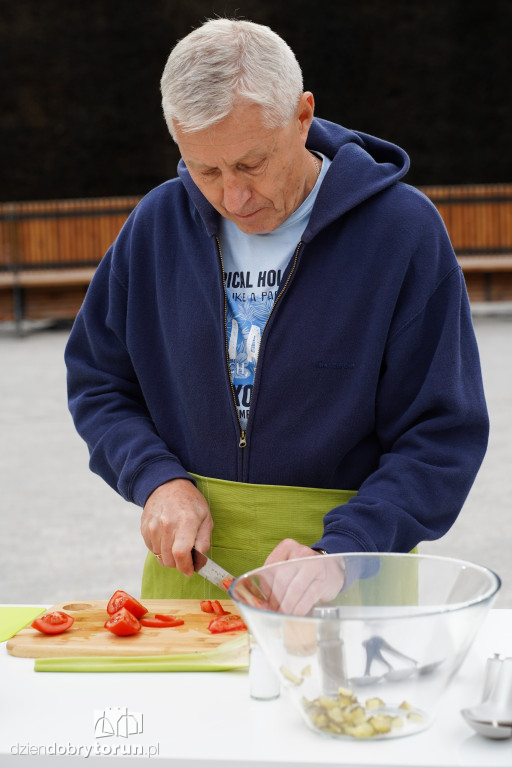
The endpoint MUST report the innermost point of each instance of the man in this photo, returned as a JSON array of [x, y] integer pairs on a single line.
[[276, 356]]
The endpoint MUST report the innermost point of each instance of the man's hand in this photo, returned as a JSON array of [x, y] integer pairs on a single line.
[[298, 587], [175, 518]]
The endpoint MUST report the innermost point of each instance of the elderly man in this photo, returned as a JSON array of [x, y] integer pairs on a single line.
[[276, 356]]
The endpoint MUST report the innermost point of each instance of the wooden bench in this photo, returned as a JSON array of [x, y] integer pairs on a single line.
[[48, 294], [479, 221], [49, 250], [488, 278]]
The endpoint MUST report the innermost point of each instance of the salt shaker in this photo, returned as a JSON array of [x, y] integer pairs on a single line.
[[264, 683]]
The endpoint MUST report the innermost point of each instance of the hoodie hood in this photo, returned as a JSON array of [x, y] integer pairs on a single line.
[[362, 166]]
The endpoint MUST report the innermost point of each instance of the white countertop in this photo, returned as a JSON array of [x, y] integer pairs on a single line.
[[201, 720]]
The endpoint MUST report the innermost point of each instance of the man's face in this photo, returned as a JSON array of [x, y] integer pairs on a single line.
[[253, 175]]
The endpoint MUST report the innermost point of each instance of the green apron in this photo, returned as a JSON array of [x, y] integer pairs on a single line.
[[249, 521]]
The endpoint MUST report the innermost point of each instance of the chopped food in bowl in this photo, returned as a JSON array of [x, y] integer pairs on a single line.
[[366, 643]]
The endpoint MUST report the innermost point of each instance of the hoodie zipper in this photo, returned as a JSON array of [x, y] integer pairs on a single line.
[[243, 432]]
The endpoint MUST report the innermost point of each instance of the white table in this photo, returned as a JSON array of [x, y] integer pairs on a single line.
[[207, 720]]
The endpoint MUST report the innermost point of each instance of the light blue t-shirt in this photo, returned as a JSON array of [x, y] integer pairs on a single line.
[[254, 266]]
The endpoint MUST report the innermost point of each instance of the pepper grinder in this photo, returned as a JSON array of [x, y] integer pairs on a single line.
[[331, 649]]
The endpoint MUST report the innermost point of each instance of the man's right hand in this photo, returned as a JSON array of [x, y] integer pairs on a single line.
[[176, 518]]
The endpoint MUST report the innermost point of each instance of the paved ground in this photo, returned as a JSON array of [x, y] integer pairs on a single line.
[[66, 535]]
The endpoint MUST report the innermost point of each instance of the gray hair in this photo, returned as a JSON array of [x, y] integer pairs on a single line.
[[225, 61]]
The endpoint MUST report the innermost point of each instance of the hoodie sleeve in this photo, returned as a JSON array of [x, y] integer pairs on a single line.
[[105, 399], [431, 417]]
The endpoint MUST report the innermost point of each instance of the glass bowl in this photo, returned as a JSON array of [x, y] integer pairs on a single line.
[[366, 643]]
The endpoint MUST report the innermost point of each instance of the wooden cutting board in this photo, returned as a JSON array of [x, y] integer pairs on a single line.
[[88, 637]]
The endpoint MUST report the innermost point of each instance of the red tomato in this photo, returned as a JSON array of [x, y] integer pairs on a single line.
[[228, 581], [207, 606], [123, 623], [228, 623], [218, 609], [121, 599], [161, 620], [53, 623]]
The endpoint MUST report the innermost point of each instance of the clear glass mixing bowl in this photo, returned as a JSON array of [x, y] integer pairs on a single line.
[[366, 643]]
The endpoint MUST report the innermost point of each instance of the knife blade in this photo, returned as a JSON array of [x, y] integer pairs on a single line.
[[210, 570]]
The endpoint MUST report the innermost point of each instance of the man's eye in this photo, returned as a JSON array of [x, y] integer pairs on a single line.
[[250, 168]]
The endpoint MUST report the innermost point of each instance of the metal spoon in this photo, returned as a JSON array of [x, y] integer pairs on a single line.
[[489, 728], [493, 717], [374, 647]]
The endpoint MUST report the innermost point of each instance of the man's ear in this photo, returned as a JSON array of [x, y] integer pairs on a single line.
[[305, 112]]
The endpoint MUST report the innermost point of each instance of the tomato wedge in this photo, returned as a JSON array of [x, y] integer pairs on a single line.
[[213, 606], [227, 623], [122, 599], [123, 623], [218, 609], [161, 620], [228, 582], [53, 623]]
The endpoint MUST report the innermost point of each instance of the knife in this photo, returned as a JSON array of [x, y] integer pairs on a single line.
[[219, 577], [211, 571]]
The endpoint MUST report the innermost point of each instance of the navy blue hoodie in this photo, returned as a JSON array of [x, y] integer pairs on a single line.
[[368, 375]]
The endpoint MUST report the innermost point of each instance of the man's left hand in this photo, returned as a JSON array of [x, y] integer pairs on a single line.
[[298, 587]]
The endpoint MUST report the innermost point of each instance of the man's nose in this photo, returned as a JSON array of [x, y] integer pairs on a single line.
[[236, 193]]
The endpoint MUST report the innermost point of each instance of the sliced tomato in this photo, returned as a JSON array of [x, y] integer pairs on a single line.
[[121, 599], [173, 621], [228, 582], [218, 609], [53, 623], [228, 623], [213, 606], [122, 622], [207, 606], [161, 620]]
